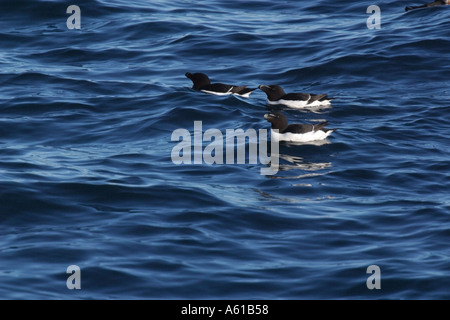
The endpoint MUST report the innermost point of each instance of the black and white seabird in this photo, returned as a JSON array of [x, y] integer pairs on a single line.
[[296, 132], [276, 95], [202, 83], [431, 4]]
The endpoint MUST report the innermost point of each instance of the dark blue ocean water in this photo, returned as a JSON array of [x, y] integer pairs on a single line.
[[87, 179]]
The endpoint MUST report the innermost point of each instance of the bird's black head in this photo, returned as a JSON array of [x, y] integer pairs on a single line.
[[277, 119], [198, 79], [273, 92]]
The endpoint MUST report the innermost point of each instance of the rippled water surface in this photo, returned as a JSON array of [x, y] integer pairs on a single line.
[[87, 178]]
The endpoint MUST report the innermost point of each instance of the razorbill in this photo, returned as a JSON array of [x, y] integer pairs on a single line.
[[431, 4], [276, 95], [296, 132], [202, 83]]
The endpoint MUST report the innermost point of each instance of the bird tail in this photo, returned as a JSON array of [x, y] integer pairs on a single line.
[[242, 90], [322, 125], [319, 97]]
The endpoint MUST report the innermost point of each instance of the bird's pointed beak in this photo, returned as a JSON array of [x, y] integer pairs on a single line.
[[188, 75], [269, 116]]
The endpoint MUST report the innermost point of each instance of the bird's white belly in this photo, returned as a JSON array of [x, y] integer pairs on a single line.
[[300, 137], [299, 104], [217, 93]]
